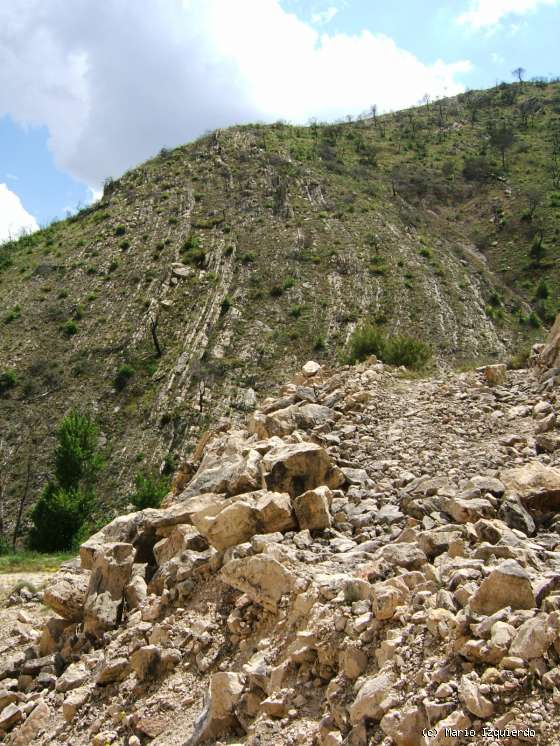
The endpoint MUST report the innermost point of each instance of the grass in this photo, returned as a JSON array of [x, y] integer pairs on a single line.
[[27, 561]]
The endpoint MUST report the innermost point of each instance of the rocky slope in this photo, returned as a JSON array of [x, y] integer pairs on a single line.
[[371, 560], [255, 248]]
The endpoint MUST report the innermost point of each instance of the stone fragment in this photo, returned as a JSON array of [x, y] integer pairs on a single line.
[[536, 485], [533, 638], [66, 593], [74, 702], [75, 676], [262, 578], [405, 726], [298, 467], [403, 554], [10, 716], [146, 662], [374, 699], [218, 715], [311, 368], [312, 509], [110, 574], [472, 698], [35, 722], [112, 670], [495, 375], [507, 585]]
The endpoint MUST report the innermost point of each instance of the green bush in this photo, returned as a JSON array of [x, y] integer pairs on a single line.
[[225, 305], [57, 518], [150, 490], [8, 380], [124, 374], [120, 230], [124, 245], [69, 329], [399, 350], [12, 315]]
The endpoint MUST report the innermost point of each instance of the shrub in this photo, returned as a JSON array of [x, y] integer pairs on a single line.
[[124, 374], [477, 169], [120, 230], [288, 283], [8, 380], [399, 350], [542, 292], [150, 490], [296, 311], [276, 291], [124, 245], [225, 305], [12, 315], [365, 341], [57, 518], [69, 329]]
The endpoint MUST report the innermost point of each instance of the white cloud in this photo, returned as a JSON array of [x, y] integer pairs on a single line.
[[14, 218], [114, 82], [488, 13], [325, 16], [497, 58]]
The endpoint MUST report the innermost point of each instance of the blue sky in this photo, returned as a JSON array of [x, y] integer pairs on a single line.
[[81, 99]]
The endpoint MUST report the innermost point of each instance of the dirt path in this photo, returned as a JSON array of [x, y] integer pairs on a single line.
[[9, 580]]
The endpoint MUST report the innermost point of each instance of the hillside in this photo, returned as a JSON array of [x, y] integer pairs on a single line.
[[248, 251]]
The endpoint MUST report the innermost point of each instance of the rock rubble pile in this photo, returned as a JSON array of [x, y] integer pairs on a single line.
[[373, 560]]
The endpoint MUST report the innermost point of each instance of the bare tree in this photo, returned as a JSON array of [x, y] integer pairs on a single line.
[[373, 112], [153, 321], [425, 100], [518, 73], [502, 138]]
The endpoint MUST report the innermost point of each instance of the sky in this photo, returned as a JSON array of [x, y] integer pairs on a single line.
[[89, 89]]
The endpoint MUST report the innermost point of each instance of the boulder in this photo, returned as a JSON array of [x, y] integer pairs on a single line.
[[261, 577], [298, 467], [110, 574], [112, 670], [10, 716], [253, 513], [218, 715], [228, 467], [375, 697], [312, 508], [74, 702], [76, 675], [146, 662], [536, 485], [495, 375], [310, 369], [472, 698], [66, 593], [405, 726], [34, 724], [507, 585], [533, 638]]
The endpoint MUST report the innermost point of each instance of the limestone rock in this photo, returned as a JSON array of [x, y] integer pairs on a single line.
[[74, 702], [111, 571], [495, 375], [375, 698], [533, 638], [296, 468], [66, 593], [507, 585], [254, 512], [218, 715], [405, 726], [312, 508], [228, 469], [75, 676], [475, 702], [537, 486], [310, 369], [112, 670], [262, 578], [33, 725]]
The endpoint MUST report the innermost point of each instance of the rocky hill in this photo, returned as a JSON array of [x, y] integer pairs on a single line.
[[370, 560], [204, 277]]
